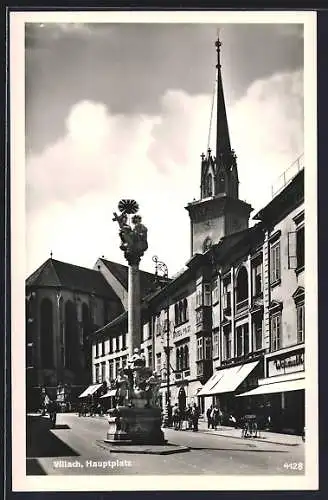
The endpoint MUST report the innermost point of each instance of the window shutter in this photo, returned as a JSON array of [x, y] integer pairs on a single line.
[[292, 252]]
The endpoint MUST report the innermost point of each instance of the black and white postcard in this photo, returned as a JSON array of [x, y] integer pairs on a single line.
[[163, 251]]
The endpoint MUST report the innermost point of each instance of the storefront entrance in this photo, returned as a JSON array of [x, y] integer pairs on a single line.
[[182, 399], [293, 411]]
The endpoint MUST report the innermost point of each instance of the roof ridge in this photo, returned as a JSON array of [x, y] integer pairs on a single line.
[[37, 271], [124, 266], [75, 265], [55, 271]]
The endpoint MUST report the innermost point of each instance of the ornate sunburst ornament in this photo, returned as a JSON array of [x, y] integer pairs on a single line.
[[128, 206]]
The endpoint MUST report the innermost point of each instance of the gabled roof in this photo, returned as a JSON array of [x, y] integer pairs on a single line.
[[119, 323], [147, 280], [54, 273]]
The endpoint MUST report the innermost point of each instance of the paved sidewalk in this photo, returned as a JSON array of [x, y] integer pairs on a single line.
[[266, 436]]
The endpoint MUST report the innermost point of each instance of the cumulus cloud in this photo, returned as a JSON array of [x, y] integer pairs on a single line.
[[267, 132], [74, 185]]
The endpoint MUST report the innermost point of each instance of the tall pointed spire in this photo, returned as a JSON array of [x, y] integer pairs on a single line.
[[222, 130], [219, 212]]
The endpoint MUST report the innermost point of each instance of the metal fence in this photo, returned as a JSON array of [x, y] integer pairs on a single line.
[[287, 176]]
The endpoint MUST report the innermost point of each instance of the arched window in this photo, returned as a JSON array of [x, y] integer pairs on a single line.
[[209, 185], [186, 357], [86, 327], [180, 312], [178, 359], [176, 313], [242, 285], [185, 309], [71, 336], [86, 322], [46, 334]]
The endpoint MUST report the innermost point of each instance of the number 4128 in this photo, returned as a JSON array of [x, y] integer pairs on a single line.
[[293, 465]]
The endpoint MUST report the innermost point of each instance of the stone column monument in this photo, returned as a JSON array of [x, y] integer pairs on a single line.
[[137, 416]]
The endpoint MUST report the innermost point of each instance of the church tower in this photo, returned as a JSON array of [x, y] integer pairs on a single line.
[[219, 211]]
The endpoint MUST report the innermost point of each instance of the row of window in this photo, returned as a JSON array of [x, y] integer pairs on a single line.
[[73, 336], [242, 335], [109, 370], [295, 261], [203, 295], [206, 350], [115, 344], [296, 254], [180, 316], [181, 312], [276, 328], [182, 358]]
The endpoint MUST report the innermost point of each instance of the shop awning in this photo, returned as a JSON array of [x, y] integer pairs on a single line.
[[227, 380], [109, 394], [90, 390], [286, 386]]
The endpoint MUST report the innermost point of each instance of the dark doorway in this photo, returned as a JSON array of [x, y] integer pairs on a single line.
[[182, 399]]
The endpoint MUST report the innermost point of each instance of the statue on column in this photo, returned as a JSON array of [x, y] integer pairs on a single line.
[[153, 384], [123, 388], [133, 240]]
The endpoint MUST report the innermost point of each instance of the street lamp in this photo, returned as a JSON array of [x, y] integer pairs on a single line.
[[161, 270]]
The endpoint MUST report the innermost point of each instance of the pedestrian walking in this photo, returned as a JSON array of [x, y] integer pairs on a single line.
[[195, 417], [189, 417], [52, 409], [233, 420], [214, 417], [176, 417], [209, 417]]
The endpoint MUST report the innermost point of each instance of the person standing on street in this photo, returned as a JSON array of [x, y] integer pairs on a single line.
[[52, 409], [195, 417], [214, 417], [209, 417]]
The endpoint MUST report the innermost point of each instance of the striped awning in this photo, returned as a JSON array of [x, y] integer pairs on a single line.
[[90, 390], [227, 380], [109, 394], [285, 386]]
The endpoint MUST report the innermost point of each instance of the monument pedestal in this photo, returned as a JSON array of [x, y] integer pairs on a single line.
[[135, 426]]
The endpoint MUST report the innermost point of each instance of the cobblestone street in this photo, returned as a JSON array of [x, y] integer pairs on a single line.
[[76, 446]]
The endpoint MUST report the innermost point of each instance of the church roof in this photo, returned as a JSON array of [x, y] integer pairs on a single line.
[[147, 280], [54, 273]]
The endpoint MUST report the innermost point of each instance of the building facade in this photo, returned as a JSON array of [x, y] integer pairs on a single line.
[[283, 384], [64, 305], [229, 329]]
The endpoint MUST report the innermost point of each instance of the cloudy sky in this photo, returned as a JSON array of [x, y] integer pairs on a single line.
[[123, 110]]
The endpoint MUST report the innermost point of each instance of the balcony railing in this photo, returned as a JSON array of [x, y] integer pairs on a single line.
[[204, 319], [288, 175], [242, 305]]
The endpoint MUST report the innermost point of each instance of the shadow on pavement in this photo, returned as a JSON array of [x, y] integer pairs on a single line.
[[42, 442], [61, 426], [33, 468]]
